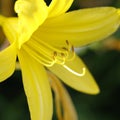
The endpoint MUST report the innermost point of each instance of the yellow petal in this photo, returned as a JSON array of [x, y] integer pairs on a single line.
[[31, 15], [85, 83], [10, 28], [36, 87], [7, 61], [62, 100], [80, 27], [58, 7]]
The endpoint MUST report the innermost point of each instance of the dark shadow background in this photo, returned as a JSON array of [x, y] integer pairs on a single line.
[[104, 64]]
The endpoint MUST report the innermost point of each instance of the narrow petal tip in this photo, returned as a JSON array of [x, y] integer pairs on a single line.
[[94, 90]]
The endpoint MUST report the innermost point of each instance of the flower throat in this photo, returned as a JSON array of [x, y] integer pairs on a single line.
[[49, 55]]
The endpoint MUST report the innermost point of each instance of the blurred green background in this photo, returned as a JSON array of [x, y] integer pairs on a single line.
[[102, 59]]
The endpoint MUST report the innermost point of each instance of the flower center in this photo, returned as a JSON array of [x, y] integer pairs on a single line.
[[64, 54], [48, 55]]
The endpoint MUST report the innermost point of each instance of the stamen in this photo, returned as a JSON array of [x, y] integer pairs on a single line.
[[55, 53], [73, 54], [74, 72], [72, 48], [64, 48], [67, 42], [66, 54], [47, 54], [63, 55]]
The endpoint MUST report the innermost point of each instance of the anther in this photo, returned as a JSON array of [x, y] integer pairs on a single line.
[[63, 55], [67, 42], [72, 48], [64, 48], [54, 55]]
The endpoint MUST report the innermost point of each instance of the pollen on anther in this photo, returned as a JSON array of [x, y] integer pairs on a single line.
[[63, 55], [54, 54], [67, 42], [72, 48], [64, 48]]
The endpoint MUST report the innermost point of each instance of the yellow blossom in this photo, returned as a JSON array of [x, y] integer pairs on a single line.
[[43, 38]]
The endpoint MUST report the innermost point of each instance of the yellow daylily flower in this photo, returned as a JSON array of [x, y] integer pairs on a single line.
[[43, 37]]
